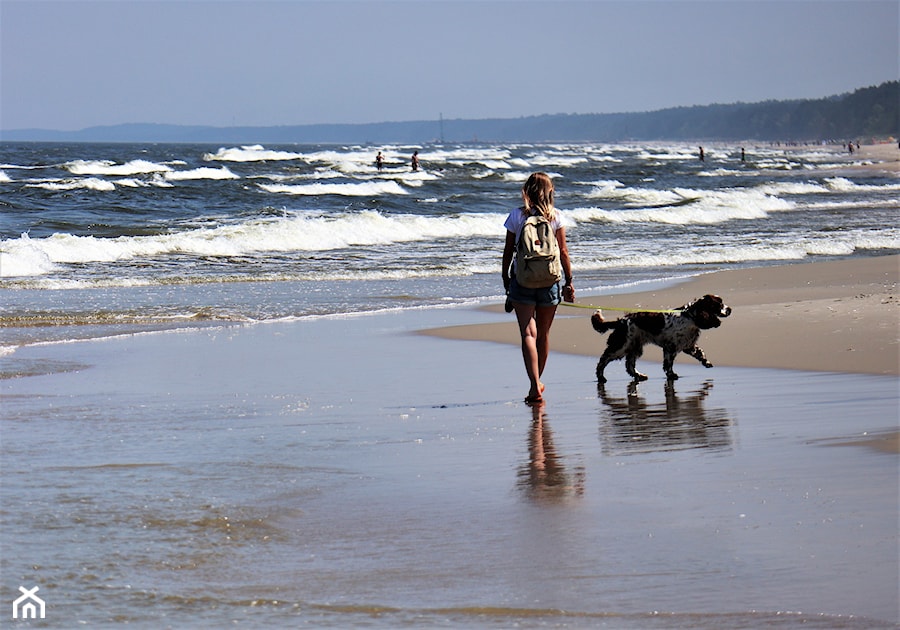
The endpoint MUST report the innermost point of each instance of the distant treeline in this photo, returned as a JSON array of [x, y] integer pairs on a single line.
[[872, 112]]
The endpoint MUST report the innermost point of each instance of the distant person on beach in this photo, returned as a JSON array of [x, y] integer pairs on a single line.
[[415, 161], [535, 307], [379, 161], [743, 155], [702, 156]]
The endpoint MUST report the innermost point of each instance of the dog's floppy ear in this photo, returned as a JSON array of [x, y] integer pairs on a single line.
[[705, 311], [706, 319]]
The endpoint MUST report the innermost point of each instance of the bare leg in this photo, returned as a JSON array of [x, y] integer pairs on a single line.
[[534, 327], [528, 331], [543, 319]]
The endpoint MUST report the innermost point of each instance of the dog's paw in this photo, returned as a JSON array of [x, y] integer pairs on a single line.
[[707, 364]]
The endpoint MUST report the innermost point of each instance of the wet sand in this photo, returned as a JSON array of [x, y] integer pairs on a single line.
[[349, 471]]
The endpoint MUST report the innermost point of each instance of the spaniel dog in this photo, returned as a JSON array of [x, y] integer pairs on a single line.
[[674, 332]]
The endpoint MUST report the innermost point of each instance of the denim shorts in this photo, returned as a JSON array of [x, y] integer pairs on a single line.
[[545, 296]]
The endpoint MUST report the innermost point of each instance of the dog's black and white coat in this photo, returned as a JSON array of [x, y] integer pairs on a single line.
[[673, 332]]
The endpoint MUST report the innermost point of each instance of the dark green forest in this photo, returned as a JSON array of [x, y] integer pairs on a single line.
[[871, 113]]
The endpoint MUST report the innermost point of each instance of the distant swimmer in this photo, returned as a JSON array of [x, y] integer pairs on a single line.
[[415, 161], [379, 161]]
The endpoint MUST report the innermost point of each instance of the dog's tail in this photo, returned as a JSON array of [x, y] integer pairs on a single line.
[[599, 324]]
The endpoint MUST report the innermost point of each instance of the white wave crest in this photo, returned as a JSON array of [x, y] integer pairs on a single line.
[[88, 183], [253, 153], [4, 178], [201, 173], [366, 189], [749, 253], [106, 167], [30, 257], [686, 207], [792, 188], [23, 257], [842, 184]]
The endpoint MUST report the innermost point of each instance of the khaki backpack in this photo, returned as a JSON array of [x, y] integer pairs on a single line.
[[537, 254]]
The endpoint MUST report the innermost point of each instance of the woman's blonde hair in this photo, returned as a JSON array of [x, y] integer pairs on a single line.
[[537, 192]]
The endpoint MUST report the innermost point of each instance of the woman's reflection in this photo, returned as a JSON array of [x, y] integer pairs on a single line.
[[544, 478]]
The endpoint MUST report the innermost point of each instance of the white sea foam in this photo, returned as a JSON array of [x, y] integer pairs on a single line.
[[131, 182], [842, 185], [366, 189], [562, 161], [26, 256], [106, 167], [4, 178], [515, 176], [253, 153], [828, 245], [201, 173], [792, 188], [683, 206], [87, 183]]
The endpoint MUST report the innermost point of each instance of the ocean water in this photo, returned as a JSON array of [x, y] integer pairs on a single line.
[[279, 451], [103, 238]]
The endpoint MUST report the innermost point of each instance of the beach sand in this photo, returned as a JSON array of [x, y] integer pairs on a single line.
[[884, 157], [837, 316], [340, 472]]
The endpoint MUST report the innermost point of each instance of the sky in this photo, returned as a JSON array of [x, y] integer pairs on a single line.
[[72, 64]]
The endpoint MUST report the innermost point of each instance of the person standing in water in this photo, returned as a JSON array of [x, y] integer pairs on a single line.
[[415, 161], [535, 307]]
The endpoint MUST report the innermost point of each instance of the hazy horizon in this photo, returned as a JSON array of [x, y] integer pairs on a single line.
[[69, 66]]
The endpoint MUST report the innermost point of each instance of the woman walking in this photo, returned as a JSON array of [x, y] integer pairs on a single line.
[[535, 306]]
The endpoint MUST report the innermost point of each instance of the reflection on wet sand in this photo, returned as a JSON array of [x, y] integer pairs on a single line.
[[543, 477], [631, 425]]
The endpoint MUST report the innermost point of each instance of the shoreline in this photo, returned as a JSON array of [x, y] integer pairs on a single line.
[[885, 159], [830, 316]]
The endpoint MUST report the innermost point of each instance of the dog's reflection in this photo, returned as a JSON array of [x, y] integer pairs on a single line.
[[631, 425], [543, 478]]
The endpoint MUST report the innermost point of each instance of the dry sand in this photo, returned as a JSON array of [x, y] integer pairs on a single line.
[[836, 316]]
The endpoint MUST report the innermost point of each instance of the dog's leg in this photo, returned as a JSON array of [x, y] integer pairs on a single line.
[[669, 361], [697, 353], [615, 346], [601, 365], [631, 367]]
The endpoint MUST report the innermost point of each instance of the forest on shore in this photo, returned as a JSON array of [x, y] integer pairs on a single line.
[[865, 115]]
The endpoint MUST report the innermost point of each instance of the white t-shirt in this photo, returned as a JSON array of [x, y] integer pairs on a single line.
[[516, 220]]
